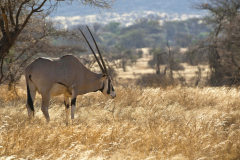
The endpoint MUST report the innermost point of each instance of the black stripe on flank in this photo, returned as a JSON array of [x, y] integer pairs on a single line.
[[29, 99], [62, 84], [73, 102], [65, 86], [66, 55]]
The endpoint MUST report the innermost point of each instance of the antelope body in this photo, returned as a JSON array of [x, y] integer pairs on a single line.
[[64, 76]]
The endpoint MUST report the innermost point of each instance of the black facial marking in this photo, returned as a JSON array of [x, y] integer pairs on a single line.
[[73, 102], [108, 91]]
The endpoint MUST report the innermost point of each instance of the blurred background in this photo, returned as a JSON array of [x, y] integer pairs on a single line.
[[149, 43]]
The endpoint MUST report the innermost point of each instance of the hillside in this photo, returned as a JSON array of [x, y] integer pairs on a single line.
[[124, 11]]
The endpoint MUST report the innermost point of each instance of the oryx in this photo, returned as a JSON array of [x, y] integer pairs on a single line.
[[64, 76]]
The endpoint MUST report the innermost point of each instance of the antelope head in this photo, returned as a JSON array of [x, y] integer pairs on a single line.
[[107, 89]]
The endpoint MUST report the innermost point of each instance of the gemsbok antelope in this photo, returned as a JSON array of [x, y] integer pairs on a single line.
[[65, 76]]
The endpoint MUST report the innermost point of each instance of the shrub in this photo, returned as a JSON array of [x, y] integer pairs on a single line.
[[153, 80]]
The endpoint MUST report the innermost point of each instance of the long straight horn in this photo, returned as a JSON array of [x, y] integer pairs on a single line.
[[92, 51], [98, 52]]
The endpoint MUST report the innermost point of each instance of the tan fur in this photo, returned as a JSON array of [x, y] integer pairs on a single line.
[[61, 76]]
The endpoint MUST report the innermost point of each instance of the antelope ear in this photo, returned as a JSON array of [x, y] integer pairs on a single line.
[[104, 75]]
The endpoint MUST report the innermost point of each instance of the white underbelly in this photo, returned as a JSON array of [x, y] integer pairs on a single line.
[[59, 89]]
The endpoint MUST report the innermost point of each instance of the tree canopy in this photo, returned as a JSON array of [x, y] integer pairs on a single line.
[[15, 15]]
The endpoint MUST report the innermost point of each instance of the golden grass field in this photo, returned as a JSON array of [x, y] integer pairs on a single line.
[[149, 123], [173, 123]]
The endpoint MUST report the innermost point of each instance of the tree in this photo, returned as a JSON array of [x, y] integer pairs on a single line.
[[169, 57], [223, 45], [15, 15], [112, 27], [37, 40]]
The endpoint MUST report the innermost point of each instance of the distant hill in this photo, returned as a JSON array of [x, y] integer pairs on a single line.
[[124, 11]]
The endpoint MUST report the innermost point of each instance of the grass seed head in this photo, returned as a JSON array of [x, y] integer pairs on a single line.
[[170, 123]]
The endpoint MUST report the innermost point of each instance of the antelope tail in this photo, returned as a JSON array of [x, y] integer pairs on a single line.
[[29, 98]]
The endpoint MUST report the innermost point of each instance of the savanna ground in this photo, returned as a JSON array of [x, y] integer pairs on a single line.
[[141, 67], [175, 122]]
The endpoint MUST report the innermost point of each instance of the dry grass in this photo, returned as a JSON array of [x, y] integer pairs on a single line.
[[141, 68], [172, 123]]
